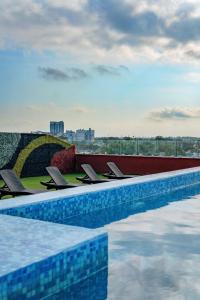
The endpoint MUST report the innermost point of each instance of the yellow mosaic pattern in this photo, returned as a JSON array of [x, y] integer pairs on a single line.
[[36, 143]]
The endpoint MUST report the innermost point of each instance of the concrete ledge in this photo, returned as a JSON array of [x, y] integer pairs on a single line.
[[57, 206], [38, 258]]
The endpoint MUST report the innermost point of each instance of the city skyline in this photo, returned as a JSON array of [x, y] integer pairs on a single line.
[[57, 128], [123, 67]]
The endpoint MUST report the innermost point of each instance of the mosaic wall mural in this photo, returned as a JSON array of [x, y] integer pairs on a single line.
[[29, 154], [8, 145]]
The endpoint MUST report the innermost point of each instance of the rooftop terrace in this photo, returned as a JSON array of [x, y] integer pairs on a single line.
[[43, 250]]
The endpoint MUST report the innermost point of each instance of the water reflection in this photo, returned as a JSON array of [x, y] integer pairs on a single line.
[[154, 249], [156, 253]]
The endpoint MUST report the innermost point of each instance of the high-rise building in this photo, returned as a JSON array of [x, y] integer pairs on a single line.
[[80, 135], [57, 128], [70, 135], [89, 135], [85, 135]]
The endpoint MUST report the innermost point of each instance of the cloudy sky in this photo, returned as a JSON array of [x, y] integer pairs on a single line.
[[122, 67]]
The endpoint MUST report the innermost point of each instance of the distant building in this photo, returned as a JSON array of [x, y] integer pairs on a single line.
[[89, 135], [57, 128], [39, 132], [70, 135], [81, 135]]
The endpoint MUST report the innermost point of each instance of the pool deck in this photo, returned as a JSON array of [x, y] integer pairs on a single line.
[[67, 193], [24, 241], [39, 258]]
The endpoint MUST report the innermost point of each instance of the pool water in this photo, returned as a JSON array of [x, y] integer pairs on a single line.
[[154, 249], [156, 255]]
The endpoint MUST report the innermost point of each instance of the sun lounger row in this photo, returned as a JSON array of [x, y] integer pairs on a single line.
[[14, 187]]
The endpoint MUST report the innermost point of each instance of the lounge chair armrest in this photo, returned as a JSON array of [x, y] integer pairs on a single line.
[[80, 178], [49, 185], [107, 175], [4, 188]]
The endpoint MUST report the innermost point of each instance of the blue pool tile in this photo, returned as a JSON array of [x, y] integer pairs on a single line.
[[32, 256], [44, 257]]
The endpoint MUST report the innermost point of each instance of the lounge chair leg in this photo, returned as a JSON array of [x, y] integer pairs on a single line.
[[49, 188]]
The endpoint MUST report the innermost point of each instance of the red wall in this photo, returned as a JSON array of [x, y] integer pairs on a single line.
[[64, 160], [136, 164]]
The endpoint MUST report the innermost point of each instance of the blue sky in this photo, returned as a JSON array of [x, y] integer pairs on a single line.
[[122, 67]]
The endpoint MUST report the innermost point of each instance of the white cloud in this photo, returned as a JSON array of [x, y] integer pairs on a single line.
[[150, 30], [80, 109], [75, 4], [174, 113]]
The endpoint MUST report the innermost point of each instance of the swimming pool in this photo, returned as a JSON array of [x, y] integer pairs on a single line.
[[152, 225], [156, 254], [154, 249]]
